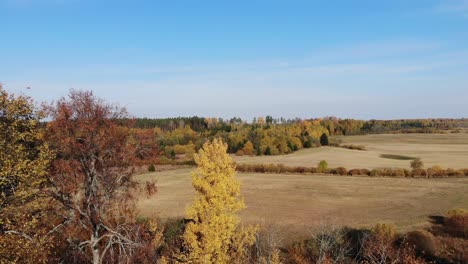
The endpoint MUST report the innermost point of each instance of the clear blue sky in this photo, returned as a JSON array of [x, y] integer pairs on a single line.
[[359, 59]]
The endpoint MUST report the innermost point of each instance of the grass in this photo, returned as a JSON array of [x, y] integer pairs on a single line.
[[299, 203], [446, 150], [302, 202], [396, 157]]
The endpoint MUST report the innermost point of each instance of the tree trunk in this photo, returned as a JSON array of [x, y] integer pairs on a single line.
[[96, 258], [95, 249]]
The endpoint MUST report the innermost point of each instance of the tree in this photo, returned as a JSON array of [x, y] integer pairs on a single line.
[[92, 177], [380, 247], [324, 140], [269, 120], [248, 148], [322, 166], [268, 151], [214, 235], [417, 164], [24, 161]]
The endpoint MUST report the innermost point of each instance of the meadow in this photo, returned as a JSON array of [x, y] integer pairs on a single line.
[[304, 202], [382, 150]]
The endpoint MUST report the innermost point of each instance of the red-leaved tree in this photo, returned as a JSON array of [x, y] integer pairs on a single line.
[[92, 179]]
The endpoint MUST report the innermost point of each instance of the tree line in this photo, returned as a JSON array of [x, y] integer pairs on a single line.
[[179, 138]]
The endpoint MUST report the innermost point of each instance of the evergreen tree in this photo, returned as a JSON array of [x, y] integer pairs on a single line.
[[324, 140]]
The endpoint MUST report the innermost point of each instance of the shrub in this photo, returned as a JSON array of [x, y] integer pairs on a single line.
[[465, 171], [419, 173], [435, 171], [240, 152], [457, 212], [354, 172], [322, 166], [457, 225], [398, 173], [339, 171], [300, 170], [454, 173], [417, 164], [151, 168], [179, 149], [384, 231], [423, 242], [407, 172], [375, 172]]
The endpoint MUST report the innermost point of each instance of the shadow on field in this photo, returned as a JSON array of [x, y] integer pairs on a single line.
[[436, 219]]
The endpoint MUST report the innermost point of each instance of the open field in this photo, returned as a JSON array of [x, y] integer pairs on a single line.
[[446, 150], [303, 201]]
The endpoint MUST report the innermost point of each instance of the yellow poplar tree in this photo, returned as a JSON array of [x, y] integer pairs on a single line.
[[214, 234]]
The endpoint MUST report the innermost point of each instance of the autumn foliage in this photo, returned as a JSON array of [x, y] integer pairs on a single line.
[[92, 178], [24, 161], [68, 193], [214, 234]]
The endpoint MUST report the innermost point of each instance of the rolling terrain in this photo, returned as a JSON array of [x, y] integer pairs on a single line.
[[446, 150]]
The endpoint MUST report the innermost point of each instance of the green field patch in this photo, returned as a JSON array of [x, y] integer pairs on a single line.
[[396, 157]]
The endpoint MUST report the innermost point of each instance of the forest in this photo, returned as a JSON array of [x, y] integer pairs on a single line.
[[178, 139]]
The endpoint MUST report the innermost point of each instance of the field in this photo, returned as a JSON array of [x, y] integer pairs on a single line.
[[446, 150], [304, 202]]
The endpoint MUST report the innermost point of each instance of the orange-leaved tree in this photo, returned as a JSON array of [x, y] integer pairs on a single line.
[[92, 178]]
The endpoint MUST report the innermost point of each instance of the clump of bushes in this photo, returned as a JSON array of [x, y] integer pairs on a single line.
[[456, 223], [389, 172], [339, 171], [419, 173], [345, 245]]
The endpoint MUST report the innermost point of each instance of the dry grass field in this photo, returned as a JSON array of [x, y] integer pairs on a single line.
[[298, 203], [302, 202], [446, 150]]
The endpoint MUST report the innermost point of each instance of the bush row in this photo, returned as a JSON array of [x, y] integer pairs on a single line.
[[434, 172]]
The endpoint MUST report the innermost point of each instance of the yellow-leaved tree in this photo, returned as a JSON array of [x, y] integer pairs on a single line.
[[214, 234], [24, 161]]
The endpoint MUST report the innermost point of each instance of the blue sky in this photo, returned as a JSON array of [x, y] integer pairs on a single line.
[[358, 59]]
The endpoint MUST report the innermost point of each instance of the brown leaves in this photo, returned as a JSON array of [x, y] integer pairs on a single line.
[[92, 177]]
